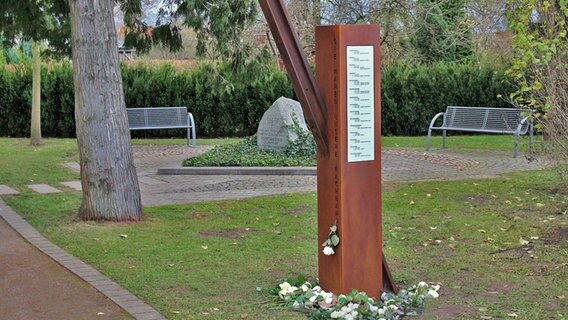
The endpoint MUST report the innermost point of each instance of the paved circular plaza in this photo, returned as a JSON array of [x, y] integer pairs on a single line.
[[398, 165]]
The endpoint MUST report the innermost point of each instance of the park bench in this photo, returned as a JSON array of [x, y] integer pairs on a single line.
[[162, 118], [479, 119]]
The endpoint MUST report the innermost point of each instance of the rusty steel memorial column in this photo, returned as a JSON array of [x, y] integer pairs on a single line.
[[343, 111]]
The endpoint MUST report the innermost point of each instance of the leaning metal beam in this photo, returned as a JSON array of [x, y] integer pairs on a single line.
[[298, 69]]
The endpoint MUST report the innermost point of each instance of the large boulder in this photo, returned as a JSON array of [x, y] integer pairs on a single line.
[[274, 131]]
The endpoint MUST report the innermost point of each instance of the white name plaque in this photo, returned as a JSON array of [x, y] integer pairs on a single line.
[[360, 104]]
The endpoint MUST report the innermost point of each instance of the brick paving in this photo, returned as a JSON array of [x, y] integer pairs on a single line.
[[399, 165]]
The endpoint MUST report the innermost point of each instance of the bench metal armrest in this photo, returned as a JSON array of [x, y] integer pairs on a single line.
[[191, 126], [522, 123], [435, 118]]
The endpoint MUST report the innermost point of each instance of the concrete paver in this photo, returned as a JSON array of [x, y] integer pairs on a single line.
[[43, 188], [5, 190]]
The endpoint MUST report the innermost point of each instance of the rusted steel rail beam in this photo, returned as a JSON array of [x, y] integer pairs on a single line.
[[298, 69]]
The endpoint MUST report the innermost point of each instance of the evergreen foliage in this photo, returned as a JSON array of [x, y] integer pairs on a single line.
[[442, 34], [412, 95], [225, 104]]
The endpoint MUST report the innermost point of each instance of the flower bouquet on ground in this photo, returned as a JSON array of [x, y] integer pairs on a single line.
[[309, 297]]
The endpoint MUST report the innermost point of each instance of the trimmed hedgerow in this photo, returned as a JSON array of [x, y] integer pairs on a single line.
[[227, 105], [412, 95]]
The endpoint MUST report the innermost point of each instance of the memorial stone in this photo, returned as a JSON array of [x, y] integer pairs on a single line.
[[274, 131]]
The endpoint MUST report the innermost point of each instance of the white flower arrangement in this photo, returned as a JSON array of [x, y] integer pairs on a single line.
[[332, 241], [356, 305]]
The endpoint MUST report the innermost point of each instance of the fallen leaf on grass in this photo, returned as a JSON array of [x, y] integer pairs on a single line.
[[481, 231], [216, 309], [204, 247], [100, 313], [512, 315], [523, 241], [175, 312], [539, 205], [124, 236]]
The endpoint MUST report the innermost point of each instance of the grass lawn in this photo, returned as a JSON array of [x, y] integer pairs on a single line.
[[497, 142], [498, 246]]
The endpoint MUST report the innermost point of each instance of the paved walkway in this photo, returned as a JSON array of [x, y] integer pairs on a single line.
[[38, 286], [399, 165]]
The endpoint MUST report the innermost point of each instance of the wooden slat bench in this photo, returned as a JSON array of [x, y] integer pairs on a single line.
[[480, 119], [162, 118]]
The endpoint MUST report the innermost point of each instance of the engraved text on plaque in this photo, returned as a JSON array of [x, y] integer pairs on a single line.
[[360, 104]]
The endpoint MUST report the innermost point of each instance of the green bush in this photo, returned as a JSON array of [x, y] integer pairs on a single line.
[[247, 154], [221, 108], [229, 105], [15, 102], [413, 95]]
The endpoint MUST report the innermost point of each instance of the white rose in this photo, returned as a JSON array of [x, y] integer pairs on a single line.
[[436, 287], [285, 286], [305, 288], [422, 284], [296, 304], [433, 294], [328, 251], [335, 314]]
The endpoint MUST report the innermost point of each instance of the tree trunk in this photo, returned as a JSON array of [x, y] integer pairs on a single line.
[[108, 176], [35, 129]]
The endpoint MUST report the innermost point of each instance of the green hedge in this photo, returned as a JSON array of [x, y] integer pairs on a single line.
[[224, 106], [412, 95]]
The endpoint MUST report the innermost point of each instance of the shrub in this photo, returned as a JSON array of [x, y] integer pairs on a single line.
[[247, 154], [412, 95], [226, 104]]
